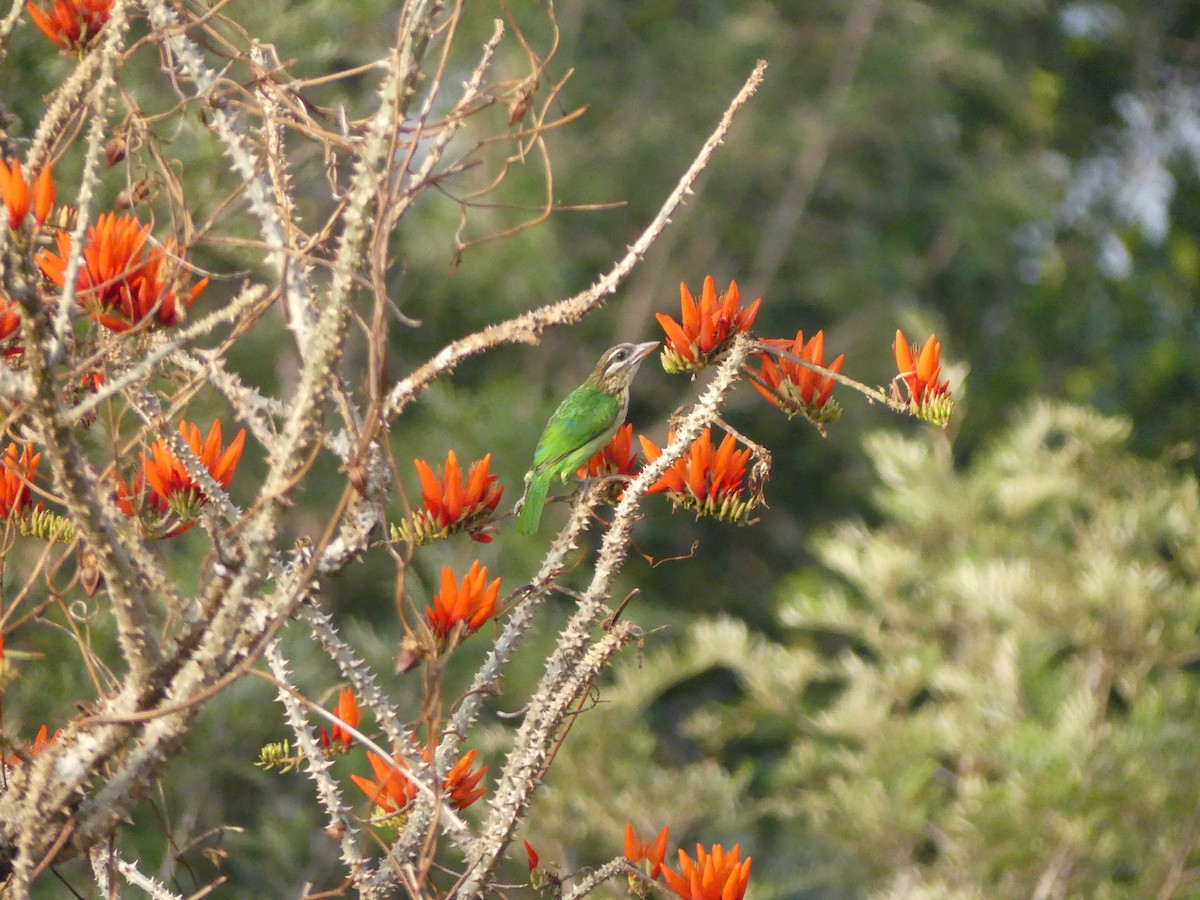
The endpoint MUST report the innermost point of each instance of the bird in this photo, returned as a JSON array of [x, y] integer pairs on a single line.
[[582, 425]]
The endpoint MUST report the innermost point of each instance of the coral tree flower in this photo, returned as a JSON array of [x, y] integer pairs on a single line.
[[462, 784], [39, 743], [391, 791], [10, 319], [710, 483], [172, 489], [452, 505], [347, 711], [72, 24], [714, 875], [653, 852], [705, 328], [617, 457], [539, 877], [19, 470], [920, 367], [15, 193], [121, 283], [797, 389], [468, 605]]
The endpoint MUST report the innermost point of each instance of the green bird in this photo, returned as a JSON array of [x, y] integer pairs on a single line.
[[581, 426]]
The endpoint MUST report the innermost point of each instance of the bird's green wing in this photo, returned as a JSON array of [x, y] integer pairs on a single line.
[[581, 425]]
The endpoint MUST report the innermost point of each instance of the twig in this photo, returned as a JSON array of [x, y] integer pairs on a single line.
[[340, 819], [597, 877], [525, 328]]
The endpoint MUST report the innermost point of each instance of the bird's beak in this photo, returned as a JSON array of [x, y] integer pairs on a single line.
[[641, 351]]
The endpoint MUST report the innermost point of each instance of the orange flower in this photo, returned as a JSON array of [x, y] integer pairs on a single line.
[[347, 711], [73, 23], [40, 743], [14, 191], [711, 484], [120, 283], [129, 496], [10, 319], [928, 398], [652, 851], [18, 472], [171, 487], [470, 605], [462, 784], [705, 328], [169, 479], [37, 746], [391, 791], [450, 504], [43, 194], [713, 876], [615, 458], [797, 389]]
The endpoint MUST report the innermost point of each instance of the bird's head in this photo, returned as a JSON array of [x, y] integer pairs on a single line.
[[618, 365]]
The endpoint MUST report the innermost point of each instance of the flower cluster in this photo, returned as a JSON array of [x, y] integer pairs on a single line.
[[39, 743], [72, 24], [391, 791], [711, 483], [653, 852], [462, 609], [19, 468], [452, 505], [339, 739], [713, 875], [928, 398], [705, 327], [173, 495], [617, 457], [121, 284], [794, 387], [20, 199], [10, 321], [18, 472]]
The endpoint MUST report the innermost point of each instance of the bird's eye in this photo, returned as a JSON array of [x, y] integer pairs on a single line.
[[620, 356]]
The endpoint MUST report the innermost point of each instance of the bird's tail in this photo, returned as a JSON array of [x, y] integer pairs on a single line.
[[535, 499]]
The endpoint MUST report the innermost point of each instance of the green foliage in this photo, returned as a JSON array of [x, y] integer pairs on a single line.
[[1017, 707]]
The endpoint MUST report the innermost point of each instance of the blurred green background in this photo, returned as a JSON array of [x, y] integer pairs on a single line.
[[941, 665]]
